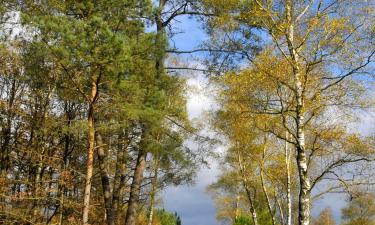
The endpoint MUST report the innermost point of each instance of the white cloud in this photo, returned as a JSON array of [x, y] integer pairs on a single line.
[[192, 202]]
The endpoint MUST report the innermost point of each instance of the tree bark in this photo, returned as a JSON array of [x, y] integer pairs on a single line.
[[304, 181], [106, 185], [90, 153], [131, 214]]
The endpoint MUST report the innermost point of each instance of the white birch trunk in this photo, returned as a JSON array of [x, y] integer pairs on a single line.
[[304, 188]]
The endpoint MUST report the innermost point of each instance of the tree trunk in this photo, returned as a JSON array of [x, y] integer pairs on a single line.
[[304, 187], [131, 214], [264, 188], [281, 211], [61, 204], [120, 175], [247, 189], [304, 195], [159, 63], [4, 154], [106, 185], [288, 184], [90, 154], [154, 183], [252, 207], [237, 212], [69, 117], [40, 167]]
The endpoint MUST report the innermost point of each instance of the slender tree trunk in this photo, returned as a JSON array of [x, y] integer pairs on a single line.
[[304, 187], [61, 187], [69, 117], [252, 207], [106, 185], [90, 154], [288, 184], [40, 168], [264, 188], [4, 154], [282, 218], [151, 215], [237, 212], [159, 64], [304, 195], [247, 189], [61, 204], [120, 175], [37, 184], [5, 145], [154, 183], [131, 214]]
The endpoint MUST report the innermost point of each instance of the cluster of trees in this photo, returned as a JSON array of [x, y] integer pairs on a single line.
[[360, 210], [92, 126], [93, 119], [287, 111]]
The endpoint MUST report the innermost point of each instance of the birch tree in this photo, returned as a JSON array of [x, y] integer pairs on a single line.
[[324, 48]]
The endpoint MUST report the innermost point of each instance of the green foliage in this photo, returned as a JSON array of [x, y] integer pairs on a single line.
[[263, 218], [83, 41], [167, 218], [243, 220]]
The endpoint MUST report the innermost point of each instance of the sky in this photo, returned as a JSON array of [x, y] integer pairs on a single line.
[[192, 203]]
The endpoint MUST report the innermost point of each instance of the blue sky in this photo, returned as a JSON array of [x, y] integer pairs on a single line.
[[192, 203]]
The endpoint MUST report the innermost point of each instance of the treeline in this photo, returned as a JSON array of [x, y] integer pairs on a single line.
[[92, 125]]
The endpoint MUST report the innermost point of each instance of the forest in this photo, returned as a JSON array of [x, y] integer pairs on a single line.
[[95, 124]]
